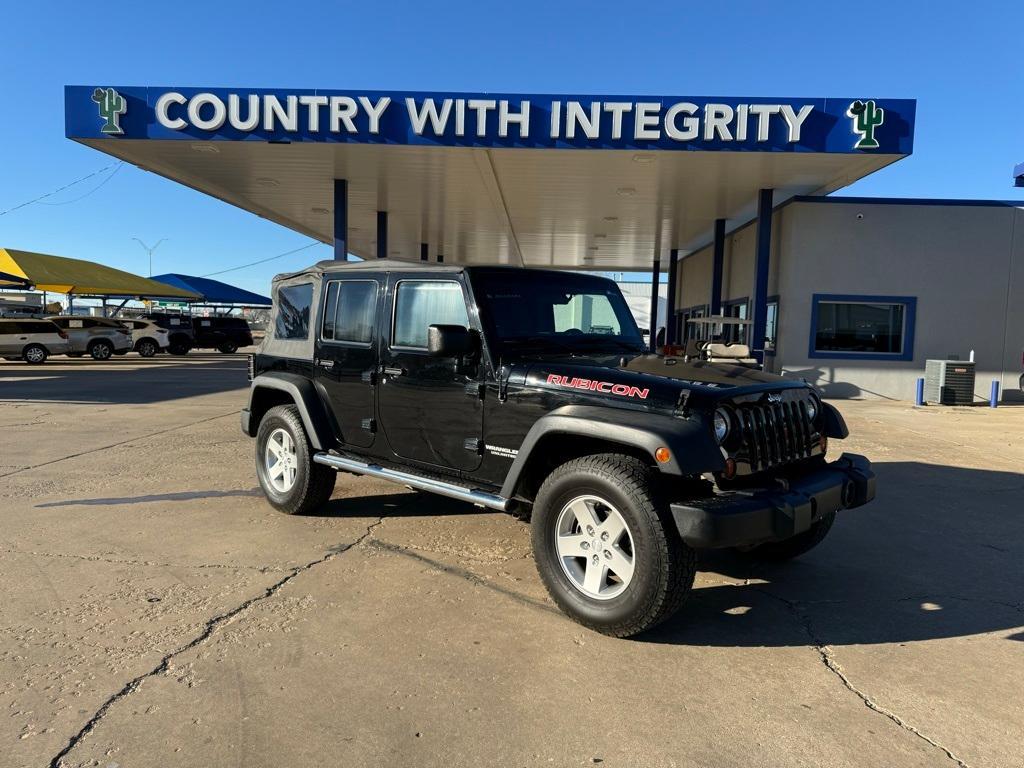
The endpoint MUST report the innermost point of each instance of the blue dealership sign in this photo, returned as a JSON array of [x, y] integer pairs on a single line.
[[854, 125]]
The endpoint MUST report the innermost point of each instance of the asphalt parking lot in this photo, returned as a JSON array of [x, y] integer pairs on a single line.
[[154, 611]]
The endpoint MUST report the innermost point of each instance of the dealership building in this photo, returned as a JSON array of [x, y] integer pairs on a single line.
[[729, 196]]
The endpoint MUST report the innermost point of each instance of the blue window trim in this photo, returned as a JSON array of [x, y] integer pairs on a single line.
[[909, 319]]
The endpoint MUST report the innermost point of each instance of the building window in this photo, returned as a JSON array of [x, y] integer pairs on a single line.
[[293, 303], [740, 309], [771, 326], [862, 327]]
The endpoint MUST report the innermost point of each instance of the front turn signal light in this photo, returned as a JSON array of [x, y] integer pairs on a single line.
[[663, 455]]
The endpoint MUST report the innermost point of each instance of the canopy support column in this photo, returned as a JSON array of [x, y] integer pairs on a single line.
[[655, 278], [716, 268], [670, 310], [340, 220], [762, 261], [424, 252], [382, 234]]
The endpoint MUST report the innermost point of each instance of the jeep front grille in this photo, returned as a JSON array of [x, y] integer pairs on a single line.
[[251, 366], [775, 433]]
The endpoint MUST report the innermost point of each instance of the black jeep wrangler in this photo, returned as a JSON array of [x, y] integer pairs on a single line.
[[531, 392]]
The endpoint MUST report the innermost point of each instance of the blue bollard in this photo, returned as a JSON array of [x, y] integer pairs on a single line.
[[993, 397], [919, 400]]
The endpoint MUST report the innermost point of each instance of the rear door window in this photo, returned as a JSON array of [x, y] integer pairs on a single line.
[[10, 327], [350, 311]]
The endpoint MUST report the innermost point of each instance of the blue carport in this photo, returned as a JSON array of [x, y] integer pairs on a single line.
[[214, 292]]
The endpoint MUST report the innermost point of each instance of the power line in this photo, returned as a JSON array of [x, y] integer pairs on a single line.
[[94, 189], [262, 261], [66, 186]]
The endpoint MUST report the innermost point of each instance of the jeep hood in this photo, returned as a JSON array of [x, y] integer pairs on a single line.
[[650, 380]]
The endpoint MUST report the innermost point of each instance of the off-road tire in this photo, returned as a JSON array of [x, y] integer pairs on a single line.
[[101, 349], [146, 347], [794, 546], [664, 566], [313, 482], [228, 348], [34, 354]]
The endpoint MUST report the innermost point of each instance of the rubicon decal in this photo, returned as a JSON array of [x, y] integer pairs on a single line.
[[594, 385]]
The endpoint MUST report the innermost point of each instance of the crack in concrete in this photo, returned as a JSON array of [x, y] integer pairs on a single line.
[[120, 443], [211, 627], [827, 657], [147, 563]]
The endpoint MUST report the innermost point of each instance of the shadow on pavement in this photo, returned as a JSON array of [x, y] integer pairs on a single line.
[[178, 496], [939, 553], [123, 380]]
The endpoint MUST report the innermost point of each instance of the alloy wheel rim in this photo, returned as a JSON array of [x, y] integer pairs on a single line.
[[281, 460], [102, 352], [594, 547], [34, 354]]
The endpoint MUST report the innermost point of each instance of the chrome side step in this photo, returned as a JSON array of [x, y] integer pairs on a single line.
[[473, 496]]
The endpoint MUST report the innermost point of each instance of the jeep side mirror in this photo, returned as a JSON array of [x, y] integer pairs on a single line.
[[449, 341]]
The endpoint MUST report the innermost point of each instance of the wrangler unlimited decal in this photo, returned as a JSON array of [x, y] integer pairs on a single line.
[[598, 386]]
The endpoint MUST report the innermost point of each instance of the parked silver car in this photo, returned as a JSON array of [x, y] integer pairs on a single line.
[[148, 338], [96, 336], [31, 340]]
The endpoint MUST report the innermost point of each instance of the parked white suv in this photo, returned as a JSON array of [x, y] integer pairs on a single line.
[[148, 338], [99, 337], [31, 340]]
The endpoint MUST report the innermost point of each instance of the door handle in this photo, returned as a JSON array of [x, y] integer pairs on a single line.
[[393, 371]]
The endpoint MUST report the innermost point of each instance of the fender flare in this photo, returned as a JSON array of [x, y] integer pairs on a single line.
[[693, 449], [305, 398], [833, 423]]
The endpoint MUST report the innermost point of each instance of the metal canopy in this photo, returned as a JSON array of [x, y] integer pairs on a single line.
[[486, 191], [60, 274]]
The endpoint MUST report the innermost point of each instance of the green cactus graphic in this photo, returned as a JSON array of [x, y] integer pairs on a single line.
[[112, 106], [867, 116]]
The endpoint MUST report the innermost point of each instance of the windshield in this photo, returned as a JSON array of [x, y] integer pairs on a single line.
[[556, 312]]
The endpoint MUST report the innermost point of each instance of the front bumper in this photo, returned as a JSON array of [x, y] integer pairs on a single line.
[[739, 518]]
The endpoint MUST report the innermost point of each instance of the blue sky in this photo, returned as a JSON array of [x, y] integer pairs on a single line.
[[962, 62]]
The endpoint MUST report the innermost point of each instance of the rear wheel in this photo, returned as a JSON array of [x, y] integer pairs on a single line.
[[228, 348], [34, 354], [606, 548], [290, 479], [146, 347], [101, 349]]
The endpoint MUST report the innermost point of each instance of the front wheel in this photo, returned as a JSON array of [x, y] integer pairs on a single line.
[[290, 479], [146, 348], [101, 350], [34, 354], [228, 348], [606, 548]]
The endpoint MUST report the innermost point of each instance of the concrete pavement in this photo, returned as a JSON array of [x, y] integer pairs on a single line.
[[157, 612]]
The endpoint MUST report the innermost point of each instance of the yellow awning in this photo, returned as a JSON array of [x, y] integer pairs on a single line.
[[83, 278]]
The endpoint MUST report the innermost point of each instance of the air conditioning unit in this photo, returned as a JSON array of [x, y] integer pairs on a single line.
[[949, 382]]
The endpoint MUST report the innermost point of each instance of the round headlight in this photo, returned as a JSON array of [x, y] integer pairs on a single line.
[[812, 408], [721, 425]]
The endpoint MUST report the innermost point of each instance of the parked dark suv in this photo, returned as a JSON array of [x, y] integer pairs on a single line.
[[226, 334], [179, 331], [531, 392]]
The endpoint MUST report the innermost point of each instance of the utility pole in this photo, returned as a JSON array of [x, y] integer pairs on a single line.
[[149, 251]]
